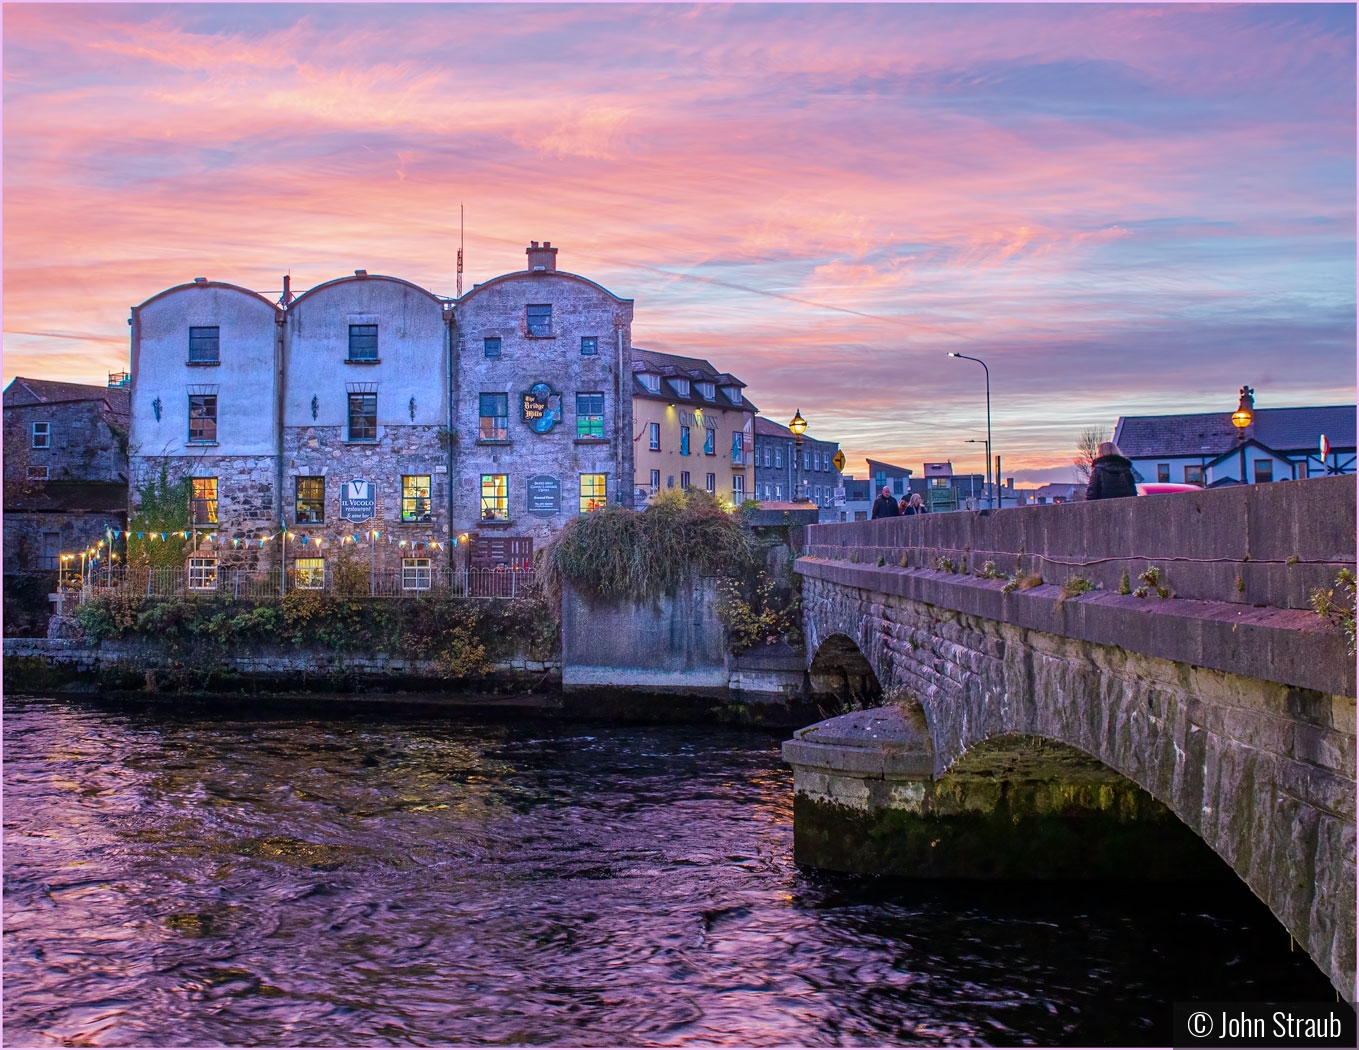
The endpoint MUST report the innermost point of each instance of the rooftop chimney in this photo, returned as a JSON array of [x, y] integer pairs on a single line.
[[544, 258], [287, 296], [360, 273], [200, 280]]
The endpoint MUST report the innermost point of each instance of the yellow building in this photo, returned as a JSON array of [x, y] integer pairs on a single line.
[[692, 428]]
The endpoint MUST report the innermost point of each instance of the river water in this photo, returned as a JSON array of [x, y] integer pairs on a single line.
[[255, 878]]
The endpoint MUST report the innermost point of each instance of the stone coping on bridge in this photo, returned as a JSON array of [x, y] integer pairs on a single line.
[[1254, 545], [1289, 646], [879, 743]]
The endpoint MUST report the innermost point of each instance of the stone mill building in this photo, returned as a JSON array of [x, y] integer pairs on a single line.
[[428, 431]]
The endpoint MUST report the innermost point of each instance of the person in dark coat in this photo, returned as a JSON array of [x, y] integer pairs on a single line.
[[885, 506], [1110, 474], [915, 505]]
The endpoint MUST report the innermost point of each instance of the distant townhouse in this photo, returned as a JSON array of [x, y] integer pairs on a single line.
[[1206, 449], [693, 428], [887, 475], [370, 410], [781, 473], [66, 469]]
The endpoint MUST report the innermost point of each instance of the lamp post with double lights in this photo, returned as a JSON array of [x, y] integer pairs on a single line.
[[1242, 418], [988, 422], [798, 426]]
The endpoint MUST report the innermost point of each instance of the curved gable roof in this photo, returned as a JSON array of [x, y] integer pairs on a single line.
[[538, 276], [208, 284], [366, 277]]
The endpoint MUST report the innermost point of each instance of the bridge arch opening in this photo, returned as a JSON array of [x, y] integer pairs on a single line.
[[841, 676]]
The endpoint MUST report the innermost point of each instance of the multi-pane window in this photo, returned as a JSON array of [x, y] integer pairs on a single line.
[[539, 319], [495, 417], [310, 503], [415, 574], [363, 342], [495, 497], [1162, 471], [490, 346], [1193, 475], [589, 346], [311, 573], [205, 343], [654, 434], [651, 382], [733, 394], [710, 442], [205, 501], [680, 386], [766, 456], [42, 435], [202, 417], [655, 482], [684, 441], [778, 457], [711, 483], [51, 552], [415, 502], [737, 449], [806, 461], [591, 492], [1264, 470], [738, 488], [202, 574], [590, 415], [684, 479], [708, 390], [363, 417]]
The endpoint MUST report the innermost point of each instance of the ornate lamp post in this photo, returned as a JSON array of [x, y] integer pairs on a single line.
[[798, 426], [1242, 418], [979, 361]]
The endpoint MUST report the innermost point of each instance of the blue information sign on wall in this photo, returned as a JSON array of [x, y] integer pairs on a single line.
[[544, 495]]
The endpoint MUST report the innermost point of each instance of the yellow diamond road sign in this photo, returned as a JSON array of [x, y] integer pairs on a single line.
[[839, 460]]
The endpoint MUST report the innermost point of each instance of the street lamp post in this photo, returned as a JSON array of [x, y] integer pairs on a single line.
[[988, 422], [798, 426], [1242, 418]]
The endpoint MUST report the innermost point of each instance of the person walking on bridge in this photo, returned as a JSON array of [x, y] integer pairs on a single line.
[[1110, 474], [885, 506]]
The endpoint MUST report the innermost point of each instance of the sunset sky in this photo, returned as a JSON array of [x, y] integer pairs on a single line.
[[1122, 209]]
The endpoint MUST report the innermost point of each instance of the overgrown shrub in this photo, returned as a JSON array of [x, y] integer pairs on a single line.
[[757, 611], [1340, 610]]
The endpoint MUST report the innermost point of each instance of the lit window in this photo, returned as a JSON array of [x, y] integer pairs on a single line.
[[1162, 471], [203, 417], [415, 574], [684, 479], [651, 382], [311, 573], [202, 574], [37, 473], [710, 442], [495, 497], [495, 417], [363, 342], [1193, 475], [708, 390], [310, 502], [539, 320], [680, 386], [684, 441], [654, 433], [655, 482], [363, 417], [415, 503], [205, 343], [205, 501], [491, 346], [591, 492], [590, 415], [589, 346], [711, 483], [42, 435]]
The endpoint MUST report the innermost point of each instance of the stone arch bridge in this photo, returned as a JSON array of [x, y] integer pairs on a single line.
[[1022, 693]]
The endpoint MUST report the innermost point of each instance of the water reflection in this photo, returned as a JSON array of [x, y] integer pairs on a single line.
[[180, 879]]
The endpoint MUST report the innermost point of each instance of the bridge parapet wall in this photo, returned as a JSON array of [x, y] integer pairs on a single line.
[[1256, 545]]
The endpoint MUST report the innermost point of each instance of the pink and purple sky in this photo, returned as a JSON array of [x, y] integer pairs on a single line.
[[1122, 209]]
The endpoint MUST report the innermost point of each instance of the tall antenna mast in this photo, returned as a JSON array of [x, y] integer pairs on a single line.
[[460, 244]]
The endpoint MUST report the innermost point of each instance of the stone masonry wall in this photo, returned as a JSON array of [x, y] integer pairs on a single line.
[[1264, 772]]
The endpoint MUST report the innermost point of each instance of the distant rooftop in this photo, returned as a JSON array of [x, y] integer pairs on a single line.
[[1211, 433], [24, 391]]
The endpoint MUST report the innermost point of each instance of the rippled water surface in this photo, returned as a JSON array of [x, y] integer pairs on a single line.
[[182, 879]]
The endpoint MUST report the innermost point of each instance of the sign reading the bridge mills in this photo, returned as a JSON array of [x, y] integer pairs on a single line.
[[538, 411], [358, 500]]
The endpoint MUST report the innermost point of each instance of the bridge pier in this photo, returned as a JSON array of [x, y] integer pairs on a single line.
[[1019, 807]]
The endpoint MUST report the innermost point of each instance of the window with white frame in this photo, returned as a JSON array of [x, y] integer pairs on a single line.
[[733, 394], [707, 390], [651, 382], [684, 479], [42, 435], [654, 436], [778, 457], [202, 574], [311, 573], [738, 488], [655, 482], [710, 442], [710, 483], [680, 386], [415, 574]]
